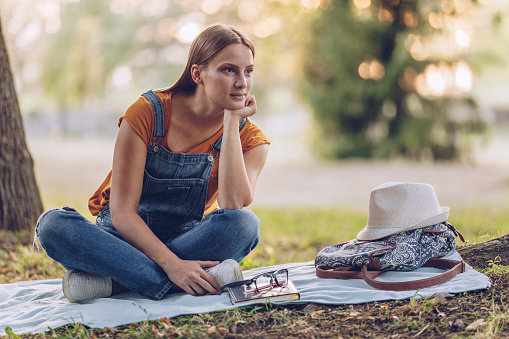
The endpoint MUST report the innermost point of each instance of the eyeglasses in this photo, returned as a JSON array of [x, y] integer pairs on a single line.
[[263, 282]]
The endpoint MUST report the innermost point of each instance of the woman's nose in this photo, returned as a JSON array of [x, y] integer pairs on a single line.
[[241, 82]]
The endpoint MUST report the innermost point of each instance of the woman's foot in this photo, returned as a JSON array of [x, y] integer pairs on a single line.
[[79, 286], [226, 272]]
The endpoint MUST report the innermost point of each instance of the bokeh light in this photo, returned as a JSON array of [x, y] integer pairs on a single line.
[[444, 79], [373, 70], [362, 4], [463, 77], [122, 76], [211, 7], [188, 32], [435, 20], [310, 5], [250, 11], [462, 38]]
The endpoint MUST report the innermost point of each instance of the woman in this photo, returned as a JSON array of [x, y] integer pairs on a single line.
[[180, 153]]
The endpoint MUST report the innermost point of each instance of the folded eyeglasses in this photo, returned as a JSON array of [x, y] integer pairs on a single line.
[[263, 282]]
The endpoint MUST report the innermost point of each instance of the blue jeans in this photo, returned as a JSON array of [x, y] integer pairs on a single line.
[[77, 243]]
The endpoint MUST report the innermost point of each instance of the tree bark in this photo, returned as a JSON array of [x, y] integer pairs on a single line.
[[20, 201], [479, 255]]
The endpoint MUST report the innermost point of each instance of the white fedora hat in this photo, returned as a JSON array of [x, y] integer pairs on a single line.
[[401, 206]]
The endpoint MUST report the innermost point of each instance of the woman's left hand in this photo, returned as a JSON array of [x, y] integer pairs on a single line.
[[248, 110]]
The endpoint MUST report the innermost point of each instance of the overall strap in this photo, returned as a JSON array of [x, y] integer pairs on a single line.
[[157, 107], [217, 144]]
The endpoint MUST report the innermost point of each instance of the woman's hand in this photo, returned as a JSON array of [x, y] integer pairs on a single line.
[[190, 276], [248, 110]]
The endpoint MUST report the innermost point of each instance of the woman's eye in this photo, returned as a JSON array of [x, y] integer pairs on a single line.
[[249, 71], [229, 70]]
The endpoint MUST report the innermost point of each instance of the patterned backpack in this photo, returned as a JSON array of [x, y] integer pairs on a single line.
[[404, 251]]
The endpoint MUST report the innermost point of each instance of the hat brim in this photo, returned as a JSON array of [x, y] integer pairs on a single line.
[[377, 232]]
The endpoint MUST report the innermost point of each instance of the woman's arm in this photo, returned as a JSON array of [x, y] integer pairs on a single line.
[[126, 185], [238, 172]]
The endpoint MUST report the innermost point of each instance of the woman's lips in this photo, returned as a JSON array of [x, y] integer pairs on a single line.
[[238, 96]]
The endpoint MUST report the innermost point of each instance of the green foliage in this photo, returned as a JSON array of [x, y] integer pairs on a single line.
[[11, 334], [495, 267], [359, 80], [296, 235]]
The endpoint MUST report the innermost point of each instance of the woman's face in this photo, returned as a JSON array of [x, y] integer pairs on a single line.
[[228, 78]]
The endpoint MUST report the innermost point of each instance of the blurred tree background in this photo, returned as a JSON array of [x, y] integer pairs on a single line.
[[382, 78], [389, 78]]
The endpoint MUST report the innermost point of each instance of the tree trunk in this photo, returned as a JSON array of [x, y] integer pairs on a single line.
[[479, 255], [20, 202]]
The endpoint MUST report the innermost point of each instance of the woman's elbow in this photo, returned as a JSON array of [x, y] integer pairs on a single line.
[[235, 204], [118, 215]]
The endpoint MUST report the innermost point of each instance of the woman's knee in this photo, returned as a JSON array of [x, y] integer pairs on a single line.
[[53, 224], [243, 222]]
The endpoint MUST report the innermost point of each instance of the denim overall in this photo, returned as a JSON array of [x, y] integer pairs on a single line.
[[172, 204], [175, 185]]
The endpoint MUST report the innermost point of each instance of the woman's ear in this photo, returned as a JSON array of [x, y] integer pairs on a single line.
[[196, 74]]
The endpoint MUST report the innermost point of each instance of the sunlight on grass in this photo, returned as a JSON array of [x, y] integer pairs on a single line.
[[27, 263], [296, 235]]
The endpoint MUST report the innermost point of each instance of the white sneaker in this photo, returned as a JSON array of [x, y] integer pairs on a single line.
[[79, 286], [226, 272]]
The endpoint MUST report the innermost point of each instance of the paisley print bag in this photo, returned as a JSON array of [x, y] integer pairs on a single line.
[[404, 251]]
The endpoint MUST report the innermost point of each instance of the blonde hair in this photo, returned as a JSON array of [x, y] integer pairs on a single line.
[[204, 48]]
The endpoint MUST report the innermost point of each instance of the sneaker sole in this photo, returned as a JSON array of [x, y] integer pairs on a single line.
[[65, 285]]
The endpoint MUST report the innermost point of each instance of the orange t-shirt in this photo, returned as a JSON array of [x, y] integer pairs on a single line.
[[140, 117]]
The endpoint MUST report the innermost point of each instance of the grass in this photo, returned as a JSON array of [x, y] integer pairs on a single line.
[[296, 235]]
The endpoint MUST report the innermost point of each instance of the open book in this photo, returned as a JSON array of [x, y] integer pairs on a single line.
[[245, 294]]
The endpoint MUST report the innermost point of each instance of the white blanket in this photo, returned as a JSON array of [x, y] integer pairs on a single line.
[[36, 306]]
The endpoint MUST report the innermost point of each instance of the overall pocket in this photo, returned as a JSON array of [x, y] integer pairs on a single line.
[[176, 197]]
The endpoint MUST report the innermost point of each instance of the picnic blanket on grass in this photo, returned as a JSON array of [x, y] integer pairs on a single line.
[[36, 306]]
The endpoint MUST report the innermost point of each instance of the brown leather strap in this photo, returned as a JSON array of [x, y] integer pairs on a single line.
[[454, 267], [326, 272]]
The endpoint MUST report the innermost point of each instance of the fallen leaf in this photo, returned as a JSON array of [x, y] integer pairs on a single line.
[[354, 314], [223, 330], [165, 320], [315, 314], [156, 331], [478, 323], [211, 330]]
